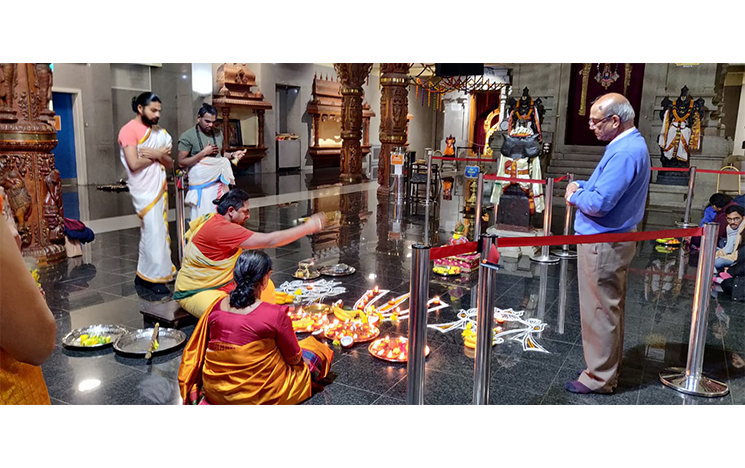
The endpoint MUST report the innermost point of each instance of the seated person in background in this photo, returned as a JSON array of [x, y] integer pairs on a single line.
[[244, 351], [732, 278], [727, 255], [215, 241], [715, 213]]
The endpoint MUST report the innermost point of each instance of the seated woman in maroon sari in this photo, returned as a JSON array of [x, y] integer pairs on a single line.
[[245, 351]]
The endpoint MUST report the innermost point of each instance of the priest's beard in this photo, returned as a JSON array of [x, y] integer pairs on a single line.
[[149, 122]]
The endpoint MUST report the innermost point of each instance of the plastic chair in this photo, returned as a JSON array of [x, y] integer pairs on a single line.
[[729, 182]]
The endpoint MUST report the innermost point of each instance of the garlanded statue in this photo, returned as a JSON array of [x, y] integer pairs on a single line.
[[523, 144], [449, 146], [459, 236], [681, 129]]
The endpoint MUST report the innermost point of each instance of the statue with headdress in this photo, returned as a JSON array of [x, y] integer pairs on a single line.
[[520, 159]]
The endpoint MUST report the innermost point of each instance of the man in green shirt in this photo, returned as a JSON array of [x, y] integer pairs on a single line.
[[210, 174]]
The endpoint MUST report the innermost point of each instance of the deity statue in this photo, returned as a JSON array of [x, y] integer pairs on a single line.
[[681, 129], [53, 207], [525, 116], [449, 146], [19, 200], [7, 74], [45, 80], [522, 146], [447, 188]]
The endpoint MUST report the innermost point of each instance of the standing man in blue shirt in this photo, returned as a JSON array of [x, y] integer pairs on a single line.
[[612, 201]]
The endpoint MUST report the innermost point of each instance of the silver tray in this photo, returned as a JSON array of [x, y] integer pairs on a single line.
[[329, 270], [313, 275], [72, 339], [138, 341]]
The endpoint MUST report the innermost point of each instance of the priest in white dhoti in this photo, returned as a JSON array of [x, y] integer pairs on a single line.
[[210, 174], [145, 154]]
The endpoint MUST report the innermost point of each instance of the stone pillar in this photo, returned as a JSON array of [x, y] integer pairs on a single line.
[[32, 184], [740, 127], [394, 107], [353, 76]]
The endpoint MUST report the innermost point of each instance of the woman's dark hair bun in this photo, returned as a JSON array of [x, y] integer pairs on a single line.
[[250, 269]]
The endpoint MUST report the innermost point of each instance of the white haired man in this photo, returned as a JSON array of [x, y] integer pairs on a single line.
[[613, 200]]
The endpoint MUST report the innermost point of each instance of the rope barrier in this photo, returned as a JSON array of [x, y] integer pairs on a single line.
[[523, 181], [450, 250], [444, 158], [669, 169], [510, 179], [707, 171]]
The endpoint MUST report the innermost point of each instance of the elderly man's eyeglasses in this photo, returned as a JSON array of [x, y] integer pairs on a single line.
[[595, 123]]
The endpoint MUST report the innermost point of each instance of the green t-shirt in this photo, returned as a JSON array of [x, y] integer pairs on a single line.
[[189, 141]]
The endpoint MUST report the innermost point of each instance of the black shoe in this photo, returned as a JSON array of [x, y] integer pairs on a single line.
[[156, 288]]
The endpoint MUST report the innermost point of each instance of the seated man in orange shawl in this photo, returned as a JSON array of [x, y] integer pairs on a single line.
[[215, 242], [244, 350]]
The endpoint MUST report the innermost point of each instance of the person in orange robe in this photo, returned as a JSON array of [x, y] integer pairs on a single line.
[[27, 329], [244, 350]]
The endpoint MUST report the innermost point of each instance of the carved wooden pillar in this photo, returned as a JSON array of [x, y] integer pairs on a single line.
[[261, 128], [32, 184], [225, 129], [351, 206], [394, 107], [352, 76]]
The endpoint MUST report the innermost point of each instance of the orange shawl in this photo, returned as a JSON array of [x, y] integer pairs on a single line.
[[255, 373], [20, 383]]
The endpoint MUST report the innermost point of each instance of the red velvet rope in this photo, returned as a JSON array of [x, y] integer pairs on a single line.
[[447, 251], [523, 181], [705, 171], [510, 179], [669, 169], [462, 159]]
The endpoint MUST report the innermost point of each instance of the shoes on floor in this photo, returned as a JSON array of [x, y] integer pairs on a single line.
[[575, 386], [156, 288]]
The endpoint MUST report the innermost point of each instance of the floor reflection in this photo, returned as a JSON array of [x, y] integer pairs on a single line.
[[375, 236]]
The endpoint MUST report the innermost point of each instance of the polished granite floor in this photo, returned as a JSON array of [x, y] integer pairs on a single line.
[[376, 238]]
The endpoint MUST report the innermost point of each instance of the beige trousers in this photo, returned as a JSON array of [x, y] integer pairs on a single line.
[[602, 270]]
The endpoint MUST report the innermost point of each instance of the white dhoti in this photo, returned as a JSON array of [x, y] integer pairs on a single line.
[[520, 169], [677, 139], [209, 179], [149, 190]]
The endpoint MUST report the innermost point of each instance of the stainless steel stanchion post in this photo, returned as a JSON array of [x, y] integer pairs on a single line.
[[686, 223], [562, 296], [417, 324], [545, 256], [565, 251], [429, 181], [542, 290], [479, 202], [484, 325], [180, 209], [691, 380]]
